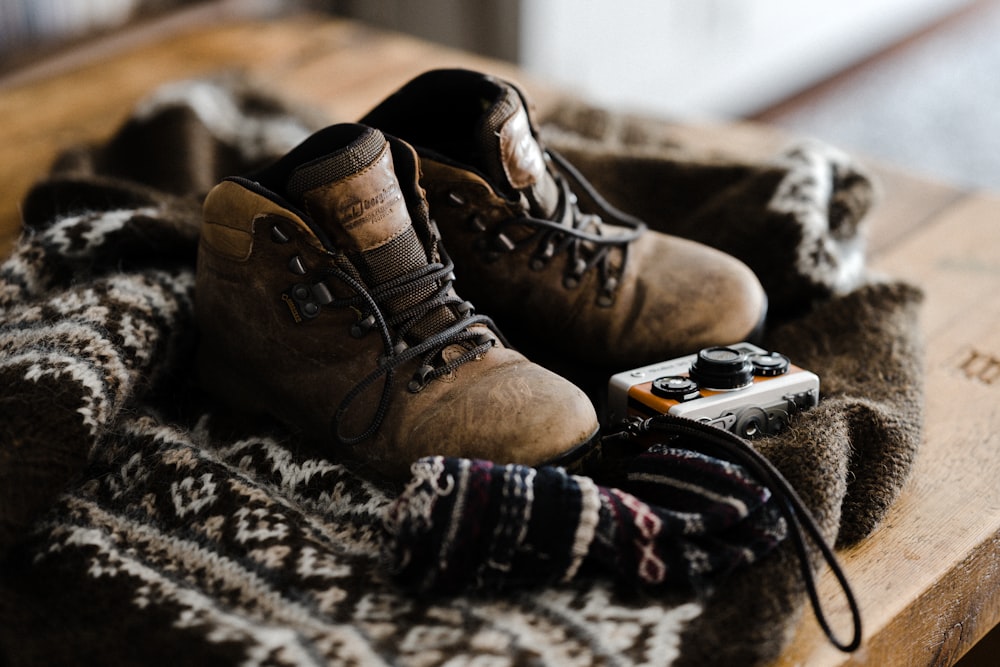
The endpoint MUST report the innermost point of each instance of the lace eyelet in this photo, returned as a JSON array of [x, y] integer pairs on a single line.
[[503, 243], [277, 235], [419, 380], [455, 199], [307, 300], [476, 224], [363, 326], [606, 298], [297, 266], [542, 257], [573, 279], [322, 294]]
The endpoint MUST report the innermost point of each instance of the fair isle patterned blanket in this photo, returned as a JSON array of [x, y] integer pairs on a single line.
[[141, 525]]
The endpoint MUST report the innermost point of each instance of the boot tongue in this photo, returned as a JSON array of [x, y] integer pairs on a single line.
[[512, 157], [354, 196]]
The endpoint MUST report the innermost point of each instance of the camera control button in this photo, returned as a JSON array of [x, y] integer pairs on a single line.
[[722, 368], [769, 365], [675, 388]]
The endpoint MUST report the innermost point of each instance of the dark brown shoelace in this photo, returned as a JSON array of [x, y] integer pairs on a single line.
[[393, 327]]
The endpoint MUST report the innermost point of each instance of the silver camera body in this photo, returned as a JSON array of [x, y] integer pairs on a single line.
[[740, 388]]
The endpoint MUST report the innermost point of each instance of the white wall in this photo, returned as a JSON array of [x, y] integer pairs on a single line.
[[707, 58], [24, 21]]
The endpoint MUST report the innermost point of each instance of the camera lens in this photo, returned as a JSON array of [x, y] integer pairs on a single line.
[[675, 388], [769, 365], [722, 368]]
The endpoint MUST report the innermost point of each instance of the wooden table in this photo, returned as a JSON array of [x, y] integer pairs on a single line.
[[928, 580]]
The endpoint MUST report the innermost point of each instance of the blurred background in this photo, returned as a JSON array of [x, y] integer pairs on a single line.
[[911, 82]]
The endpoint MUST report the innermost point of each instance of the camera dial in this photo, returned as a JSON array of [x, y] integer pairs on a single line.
[[675, 387], [769, 365], [722, 369]]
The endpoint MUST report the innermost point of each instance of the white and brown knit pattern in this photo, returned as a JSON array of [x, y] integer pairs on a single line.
[[79, 340], [276, 556]]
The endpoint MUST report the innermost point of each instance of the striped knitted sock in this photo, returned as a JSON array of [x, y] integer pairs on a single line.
[[679, 517]]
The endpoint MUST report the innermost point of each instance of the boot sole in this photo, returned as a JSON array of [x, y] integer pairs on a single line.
[[576, 460]]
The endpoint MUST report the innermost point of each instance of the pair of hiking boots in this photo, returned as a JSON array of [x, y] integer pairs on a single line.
[[325, 297]]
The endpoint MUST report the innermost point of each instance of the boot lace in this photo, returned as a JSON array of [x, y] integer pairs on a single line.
[[578, 234], [393, 326]]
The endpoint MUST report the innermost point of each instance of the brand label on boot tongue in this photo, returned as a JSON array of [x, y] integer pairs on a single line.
[[523, 161], [364, 210]]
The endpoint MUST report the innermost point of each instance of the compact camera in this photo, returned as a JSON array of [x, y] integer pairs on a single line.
[[740, 388]]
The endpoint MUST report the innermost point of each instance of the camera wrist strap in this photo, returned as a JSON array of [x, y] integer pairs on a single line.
[[801, 523]]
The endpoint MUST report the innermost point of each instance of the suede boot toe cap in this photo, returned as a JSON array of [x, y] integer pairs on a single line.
[[511, 412]]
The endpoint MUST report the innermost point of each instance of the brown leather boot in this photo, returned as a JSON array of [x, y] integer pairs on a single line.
[[597, 286], [324, 299]]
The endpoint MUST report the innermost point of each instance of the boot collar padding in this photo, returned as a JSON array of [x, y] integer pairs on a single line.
[[230, 213]]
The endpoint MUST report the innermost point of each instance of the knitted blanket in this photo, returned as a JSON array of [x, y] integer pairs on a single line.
[[142, 525]]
